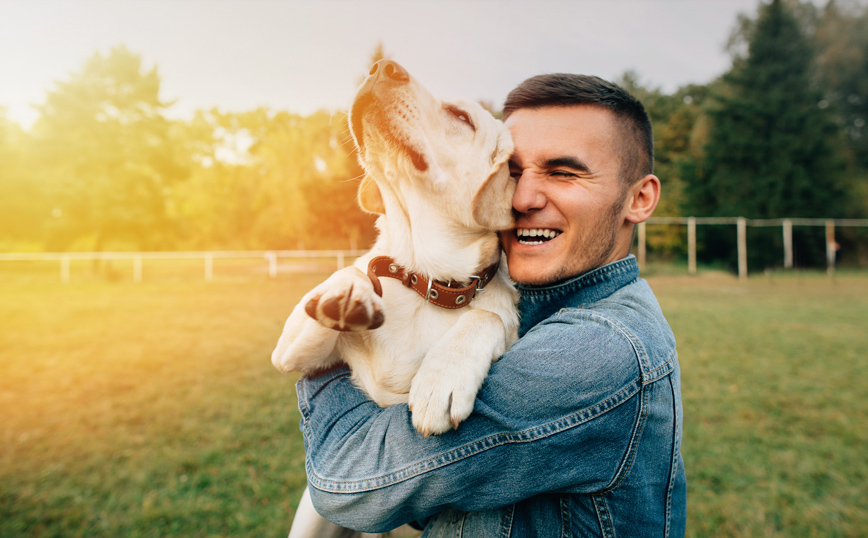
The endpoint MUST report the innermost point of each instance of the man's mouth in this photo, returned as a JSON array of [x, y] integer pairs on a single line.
[[535, 236]]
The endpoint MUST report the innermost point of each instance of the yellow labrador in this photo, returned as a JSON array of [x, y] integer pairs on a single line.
[[420, 318]]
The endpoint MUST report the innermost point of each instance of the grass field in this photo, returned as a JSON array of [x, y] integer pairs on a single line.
[[152, 409]]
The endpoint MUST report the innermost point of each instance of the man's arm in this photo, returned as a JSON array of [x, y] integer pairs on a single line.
[[558, 413]]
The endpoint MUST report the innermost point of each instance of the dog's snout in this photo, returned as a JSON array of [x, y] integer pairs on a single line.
[[391, 70]]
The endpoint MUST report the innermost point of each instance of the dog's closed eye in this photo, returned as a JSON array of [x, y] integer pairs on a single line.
[[460, 115]]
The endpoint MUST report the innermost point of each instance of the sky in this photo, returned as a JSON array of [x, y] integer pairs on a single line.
[[306, 55]]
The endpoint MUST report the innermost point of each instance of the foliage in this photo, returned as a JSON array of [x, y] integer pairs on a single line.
[[842, 41], [107, 156], [103, 168], [769, 151], [23, 208], [768, 145], [782, 134], [271, 180], [772, 147], [674, 119]]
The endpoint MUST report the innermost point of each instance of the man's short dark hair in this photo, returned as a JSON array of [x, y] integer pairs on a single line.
[[563, 89]]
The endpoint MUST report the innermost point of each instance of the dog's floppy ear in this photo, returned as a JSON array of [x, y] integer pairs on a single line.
[[370, 198], [492, 203]]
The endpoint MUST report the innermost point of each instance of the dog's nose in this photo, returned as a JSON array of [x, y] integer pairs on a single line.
[[390, 69]]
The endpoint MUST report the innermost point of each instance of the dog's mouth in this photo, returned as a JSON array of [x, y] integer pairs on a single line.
[[367, 108], [535, 236]]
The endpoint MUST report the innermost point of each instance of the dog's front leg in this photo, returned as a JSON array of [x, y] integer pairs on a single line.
[[444, 389], [305, 345], [344, 302]]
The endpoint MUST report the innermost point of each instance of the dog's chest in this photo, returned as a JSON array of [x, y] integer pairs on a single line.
[[385, 360]]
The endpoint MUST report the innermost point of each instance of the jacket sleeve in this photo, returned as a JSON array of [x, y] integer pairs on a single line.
[[558, 412]]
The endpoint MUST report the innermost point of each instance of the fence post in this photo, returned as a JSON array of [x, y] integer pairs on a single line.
[[642, 246], [830, 247], [137, 269], [272, 264], [64, 269], [788, 244], [741, 225], [209, 267], [691, 245]]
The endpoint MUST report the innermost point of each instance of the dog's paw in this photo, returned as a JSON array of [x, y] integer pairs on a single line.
[[346, 302], [440, 398]]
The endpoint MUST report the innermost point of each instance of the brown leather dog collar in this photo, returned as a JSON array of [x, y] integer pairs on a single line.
[[443, 294]]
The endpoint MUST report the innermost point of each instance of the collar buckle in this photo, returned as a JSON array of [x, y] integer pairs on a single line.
[[479, 285]]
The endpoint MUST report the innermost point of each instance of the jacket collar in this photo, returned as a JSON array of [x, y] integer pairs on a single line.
[[537, 303]]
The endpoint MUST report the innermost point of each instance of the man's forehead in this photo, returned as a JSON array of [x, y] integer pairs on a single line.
[[565, 112], [551, 133]]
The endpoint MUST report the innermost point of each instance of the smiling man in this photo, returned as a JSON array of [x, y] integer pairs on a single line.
[[570, 202], [577, 429]]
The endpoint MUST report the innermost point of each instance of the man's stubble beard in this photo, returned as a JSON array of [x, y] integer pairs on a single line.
[[598, 251]]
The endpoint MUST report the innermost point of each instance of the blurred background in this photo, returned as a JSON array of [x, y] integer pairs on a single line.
[[199, 125], [137, 398]]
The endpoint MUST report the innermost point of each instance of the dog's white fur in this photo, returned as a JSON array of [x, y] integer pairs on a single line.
[[438, 174]]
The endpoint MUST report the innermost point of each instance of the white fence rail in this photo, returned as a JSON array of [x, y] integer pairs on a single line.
[[208, 257], [271, 256]]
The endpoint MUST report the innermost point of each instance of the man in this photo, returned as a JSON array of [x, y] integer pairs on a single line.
[[577, 429]]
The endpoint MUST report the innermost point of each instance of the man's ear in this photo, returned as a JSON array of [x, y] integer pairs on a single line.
[[370, 198], [642, 198], [492, 203]]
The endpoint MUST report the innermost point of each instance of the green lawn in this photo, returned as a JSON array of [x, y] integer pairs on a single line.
[[152, 409]]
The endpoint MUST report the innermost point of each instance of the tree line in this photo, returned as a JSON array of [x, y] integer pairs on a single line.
[[781, 134]]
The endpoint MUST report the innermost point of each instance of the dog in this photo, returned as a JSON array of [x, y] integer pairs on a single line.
[[421, 317]]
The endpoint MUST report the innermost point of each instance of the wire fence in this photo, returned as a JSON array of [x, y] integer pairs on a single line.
[[340, 257]]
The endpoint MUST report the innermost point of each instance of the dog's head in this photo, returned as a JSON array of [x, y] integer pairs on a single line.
[[451, 154]]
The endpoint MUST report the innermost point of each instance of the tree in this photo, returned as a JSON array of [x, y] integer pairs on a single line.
[[107, 155], [271, 180], [842, 40], [771, 147], [23, 207], [674, 119], [301, 163]]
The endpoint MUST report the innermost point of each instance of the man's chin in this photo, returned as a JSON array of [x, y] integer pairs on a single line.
[[530, 275]]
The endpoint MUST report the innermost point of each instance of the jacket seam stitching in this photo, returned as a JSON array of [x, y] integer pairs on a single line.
[[603, 516], [303, 408], [633, 448], [673, 465], [635, 343], [664, 369], [506, 532], [638, 348], [648, 375]]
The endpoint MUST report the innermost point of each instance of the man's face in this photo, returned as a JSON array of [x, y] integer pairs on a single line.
[[569, 198]]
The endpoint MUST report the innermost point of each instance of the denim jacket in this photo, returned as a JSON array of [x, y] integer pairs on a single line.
[[575, 432]]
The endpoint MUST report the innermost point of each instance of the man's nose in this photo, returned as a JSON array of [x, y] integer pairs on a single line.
[[529, 195]]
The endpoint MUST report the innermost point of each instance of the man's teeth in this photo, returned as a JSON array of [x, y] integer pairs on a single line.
[[535, 236]]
